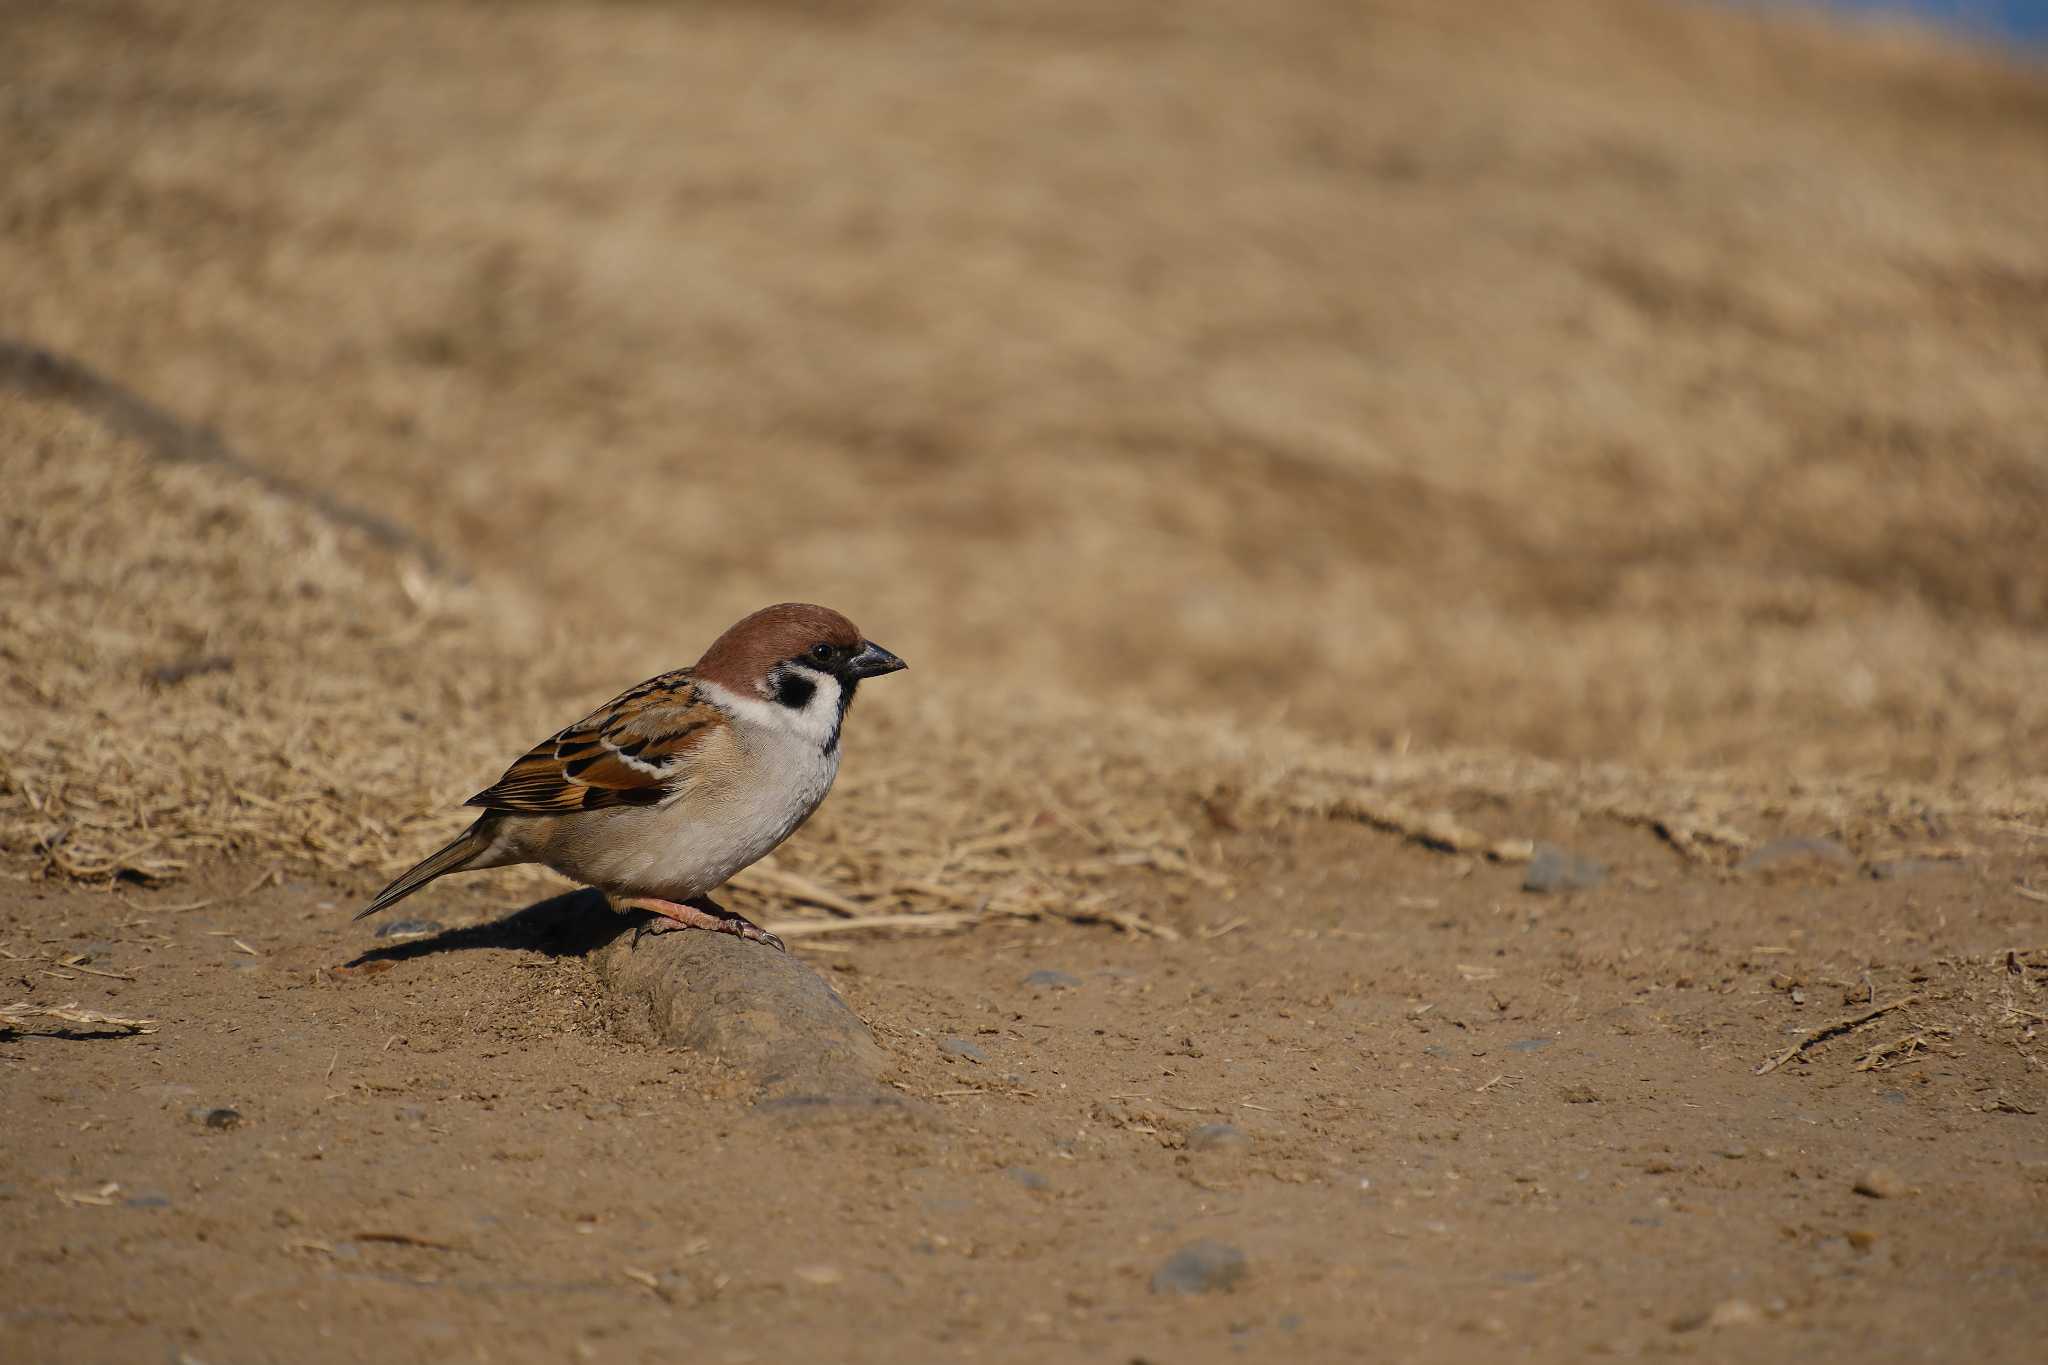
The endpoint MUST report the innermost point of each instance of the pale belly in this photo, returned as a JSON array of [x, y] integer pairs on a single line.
[[690, 846]]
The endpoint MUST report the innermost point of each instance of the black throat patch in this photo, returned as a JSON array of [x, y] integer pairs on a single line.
[[846, 686]]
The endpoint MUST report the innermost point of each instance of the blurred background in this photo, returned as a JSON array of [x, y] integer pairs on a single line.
[[1615, 380], [2023, 22]]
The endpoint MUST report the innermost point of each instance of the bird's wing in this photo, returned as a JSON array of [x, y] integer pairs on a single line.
[[632, 751]]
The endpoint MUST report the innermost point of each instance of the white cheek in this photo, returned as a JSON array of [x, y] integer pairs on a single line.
[[819, 716], [814, 722]]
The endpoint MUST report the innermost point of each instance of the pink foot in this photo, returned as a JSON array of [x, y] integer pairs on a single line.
[[700, 912]]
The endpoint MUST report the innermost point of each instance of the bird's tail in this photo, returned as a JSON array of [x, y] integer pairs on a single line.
[[466, 850]]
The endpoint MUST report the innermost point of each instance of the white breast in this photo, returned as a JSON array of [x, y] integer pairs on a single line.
[[771, 775]]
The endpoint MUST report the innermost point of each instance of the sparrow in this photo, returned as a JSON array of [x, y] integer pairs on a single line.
[[660, 795]]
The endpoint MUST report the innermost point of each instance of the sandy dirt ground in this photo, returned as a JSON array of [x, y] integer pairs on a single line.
[[1441, 1119], [1471, 782]]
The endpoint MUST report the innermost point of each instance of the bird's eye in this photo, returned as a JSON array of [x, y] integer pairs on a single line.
[[822, 653]]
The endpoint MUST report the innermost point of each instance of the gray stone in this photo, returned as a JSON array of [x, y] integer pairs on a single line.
[[1212, 1137], [961, 1048], [760, 1011], [148, 1201], [218, 1120], [1046, 979], [1530, 1044], [1199, 1268], [1554, 869], [1028, 1178]]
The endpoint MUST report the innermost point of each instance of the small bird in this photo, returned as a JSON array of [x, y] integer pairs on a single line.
[[660, 795]]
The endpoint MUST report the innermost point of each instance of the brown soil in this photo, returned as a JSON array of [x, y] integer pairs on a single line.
[[1308, 453], [1472, 1120]]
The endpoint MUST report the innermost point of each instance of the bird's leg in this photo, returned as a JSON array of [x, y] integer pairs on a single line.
[[701, 912]]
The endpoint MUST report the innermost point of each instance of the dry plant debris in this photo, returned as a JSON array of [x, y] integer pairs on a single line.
[[1834, 1030], [17, 1015]]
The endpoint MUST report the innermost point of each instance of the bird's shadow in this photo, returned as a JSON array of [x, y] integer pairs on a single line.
[[573, 924]]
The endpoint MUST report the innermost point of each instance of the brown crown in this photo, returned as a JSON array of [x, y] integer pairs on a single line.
[[741, 658]]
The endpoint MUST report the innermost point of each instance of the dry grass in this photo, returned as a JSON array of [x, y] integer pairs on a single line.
[[1648, 430], [290, 747]]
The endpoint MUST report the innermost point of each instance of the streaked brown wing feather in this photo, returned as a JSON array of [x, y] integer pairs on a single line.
[[632, 751]]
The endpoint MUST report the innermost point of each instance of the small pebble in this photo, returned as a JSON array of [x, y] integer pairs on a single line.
[[1531, 1044], [961, 1048], [148, 1201], [1579, 1094], [409, 928], [218, 1119], [1882, 1182], [1557, 869], [411, 1113], [1028, 1178], [1217, 1137], [1198, 1268], [1048, 979]]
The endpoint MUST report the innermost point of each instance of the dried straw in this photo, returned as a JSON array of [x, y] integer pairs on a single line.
[[350, 699]]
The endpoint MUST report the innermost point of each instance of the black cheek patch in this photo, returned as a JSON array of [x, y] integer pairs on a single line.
[[794, 690]]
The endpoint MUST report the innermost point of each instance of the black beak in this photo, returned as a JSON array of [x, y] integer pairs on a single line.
[[873, 661]]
